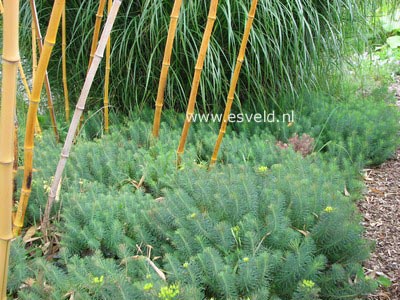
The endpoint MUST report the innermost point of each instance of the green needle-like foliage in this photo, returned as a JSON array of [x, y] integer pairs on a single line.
[[265, 223]]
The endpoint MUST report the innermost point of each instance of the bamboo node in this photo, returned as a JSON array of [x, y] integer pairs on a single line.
[[240, 60], [98, 55], [7, 238], [212, 18], [63, 155], [51, 44], [6, 162], [166, 64], [25, 192], [82, 108], [34, 101], [12, 60]]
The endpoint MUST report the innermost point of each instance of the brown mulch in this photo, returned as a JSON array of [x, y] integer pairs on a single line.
[[381, 211]]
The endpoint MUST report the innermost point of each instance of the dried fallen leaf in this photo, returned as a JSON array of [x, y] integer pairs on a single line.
[[29, 234], [376, 191]]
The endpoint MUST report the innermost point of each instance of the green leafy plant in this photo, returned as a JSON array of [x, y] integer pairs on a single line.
[[247, 228], [232, 232]]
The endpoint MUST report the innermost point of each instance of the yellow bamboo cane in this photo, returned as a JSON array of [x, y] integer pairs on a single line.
[[96, 31], [8, 100], [47, 85], [38, 130], [212, 15], [107, 77], [1, 8], [80, 106], [64, 64], [34, 50], [165, 66], [32, 112], [99, 17], [234, 81]]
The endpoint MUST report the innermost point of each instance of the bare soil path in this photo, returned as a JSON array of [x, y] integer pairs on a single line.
[[381, 211]]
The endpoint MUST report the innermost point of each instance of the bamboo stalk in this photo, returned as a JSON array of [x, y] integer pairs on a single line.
[[165, 66], [97, 25], [107, 77], [38, 130], [78, 112], [234, 80], [99, 17], [1, 8], [212, 15], [34, 50], [47, 85], [64, 63], [40, 75], [8, 103]]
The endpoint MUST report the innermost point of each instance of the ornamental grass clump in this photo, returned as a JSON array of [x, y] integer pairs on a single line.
[[288, 40]]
